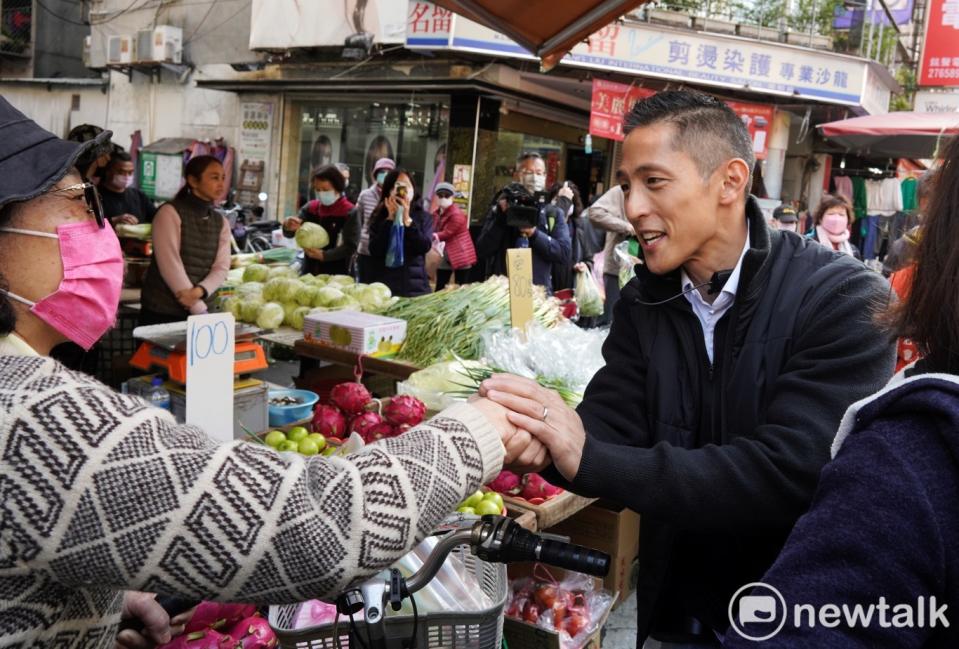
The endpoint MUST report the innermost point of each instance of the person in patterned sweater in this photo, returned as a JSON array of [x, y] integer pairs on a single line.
[[101, 494]]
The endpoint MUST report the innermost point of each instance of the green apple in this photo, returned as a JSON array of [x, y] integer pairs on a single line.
[[297, 434], [466, 510], [492, 496], [288, 445], [274, 438], [319, 439], [308, 447], [488, 507], [329, 450], [474, 500]]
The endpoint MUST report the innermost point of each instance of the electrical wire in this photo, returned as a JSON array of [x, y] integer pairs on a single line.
[[69, 21], [212, 30], [202, 20]]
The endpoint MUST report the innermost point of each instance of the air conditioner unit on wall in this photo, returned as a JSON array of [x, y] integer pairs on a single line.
[[163, 44], [120, 50]]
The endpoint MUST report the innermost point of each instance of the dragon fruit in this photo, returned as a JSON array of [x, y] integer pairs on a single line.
[[535, 487], [405, 409], [329, 421], [253, 633], [399, 430], [208, 639], [214, 615], [370, 426], [507, 483], [351, 398]]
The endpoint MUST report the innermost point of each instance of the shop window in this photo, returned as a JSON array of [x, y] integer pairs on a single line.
[[414, 133]]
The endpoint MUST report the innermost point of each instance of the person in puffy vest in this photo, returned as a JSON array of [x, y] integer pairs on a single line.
[[191, 248]]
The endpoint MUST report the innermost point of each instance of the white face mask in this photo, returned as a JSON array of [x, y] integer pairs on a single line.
[[570, 211], [534, 182], [444, 202]]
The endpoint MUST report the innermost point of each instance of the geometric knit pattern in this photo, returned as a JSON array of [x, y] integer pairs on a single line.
[[100, 493]]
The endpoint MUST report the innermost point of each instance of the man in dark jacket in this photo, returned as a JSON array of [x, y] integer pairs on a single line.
[[549, 239], [732, 357]]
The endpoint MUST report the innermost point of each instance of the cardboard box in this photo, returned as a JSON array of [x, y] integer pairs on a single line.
[[611, 529], [360, 333]]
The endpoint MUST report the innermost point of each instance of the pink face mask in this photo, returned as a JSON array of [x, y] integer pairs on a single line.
[[84, 306], [835, 223]]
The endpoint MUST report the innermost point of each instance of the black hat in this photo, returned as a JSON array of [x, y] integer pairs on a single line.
[[785, 214], [33, 159]]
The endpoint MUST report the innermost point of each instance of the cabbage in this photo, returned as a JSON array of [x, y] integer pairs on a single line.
[[299, 314], [382, 290], [307, 278], [288, 308], [327, 295], [256, 273], [312, 235], [270, 316], [234, 305], [341, 280], [282, 271], [282, 289], [346, 303], [323, 279], [250, 289], [249, 309], [306, 295]]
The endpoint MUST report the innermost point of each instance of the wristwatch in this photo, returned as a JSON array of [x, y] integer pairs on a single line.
[[202, 288]]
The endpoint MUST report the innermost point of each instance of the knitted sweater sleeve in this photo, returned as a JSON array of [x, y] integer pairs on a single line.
[[102, 489]]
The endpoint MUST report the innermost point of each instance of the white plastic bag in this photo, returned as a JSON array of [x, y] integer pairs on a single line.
[[588, 298]]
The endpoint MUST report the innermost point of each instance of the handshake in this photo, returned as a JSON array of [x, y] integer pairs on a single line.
[[536, 425]]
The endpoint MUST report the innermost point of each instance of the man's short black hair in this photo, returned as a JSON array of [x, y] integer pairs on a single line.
[[120, 156], [527, 155], [706, 128], [333, 176]]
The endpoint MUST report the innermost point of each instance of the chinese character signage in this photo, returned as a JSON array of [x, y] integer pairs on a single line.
[[708, 59], [758, 119], [612, 101], [940, 52]]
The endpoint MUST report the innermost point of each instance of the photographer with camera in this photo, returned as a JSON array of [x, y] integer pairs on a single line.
[[401, 233], [522, 217]]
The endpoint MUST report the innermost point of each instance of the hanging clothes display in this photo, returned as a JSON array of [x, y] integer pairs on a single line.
[[844, 188], [910, 201]]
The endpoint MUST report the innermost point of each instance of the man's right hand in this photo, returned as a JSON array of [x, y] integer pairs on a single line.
[[125, 219], [292, 224]]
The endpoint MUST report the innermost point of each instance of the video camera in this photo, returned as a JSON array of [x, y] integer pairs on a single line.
[[522, 207]]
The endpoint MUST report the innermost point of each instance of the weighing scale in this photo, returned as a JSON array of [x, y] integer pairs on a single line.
[[164, 349]]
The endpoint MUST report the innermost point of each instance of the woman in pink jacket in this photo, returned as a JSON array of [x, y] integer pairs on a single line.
[[451, 227]]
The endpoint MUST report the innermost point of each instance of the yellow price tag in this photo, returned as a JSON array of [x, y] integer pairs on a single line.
[[519, 263]]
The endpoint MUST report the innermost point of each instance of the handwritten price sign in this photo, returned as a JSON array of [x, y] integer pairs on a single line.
[[520, 271], [210, 349]]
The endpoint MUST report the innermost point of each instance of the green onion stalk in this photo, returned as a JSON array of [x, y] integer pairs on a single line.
[[476, 375]]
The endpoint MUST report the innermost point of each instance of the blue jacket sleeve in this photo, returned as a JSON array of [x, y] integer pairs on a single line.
[[871, 532]]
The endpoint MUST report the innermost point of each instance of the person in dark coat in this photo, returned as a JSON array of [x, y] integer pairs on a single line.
[[580, 235], [410, 279], [732, 356], [122, 201], [336, 214], [884, 521], [548, 239]]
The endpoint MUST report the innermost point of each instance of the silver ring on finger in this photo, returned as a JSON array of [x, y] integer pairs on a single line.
[[545, 413]]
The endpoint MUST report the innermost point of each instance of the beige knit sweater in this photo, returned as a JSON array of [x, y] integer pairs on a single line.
[[100, 492]]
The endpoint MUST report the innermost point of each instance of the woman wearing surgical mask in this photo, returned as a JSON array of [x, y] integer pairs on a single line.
[[332, 210], [452, 229], [833, 218], [400, 204], [191, 248], [580, 233], [104, 494], [122, 202]]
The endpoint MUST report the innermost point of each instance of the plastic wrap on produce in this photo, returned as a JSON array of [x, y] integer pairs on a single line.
[[565, 354], [454, 589], [437, 384]]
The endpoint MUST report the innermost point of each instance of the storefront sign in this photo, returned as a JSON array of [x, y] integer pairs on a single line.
[[940, 54], [161, 175], [676, 55], [611, 102], [937, 102], [462, 177], [758, 119], [901, 11], [256, 131]]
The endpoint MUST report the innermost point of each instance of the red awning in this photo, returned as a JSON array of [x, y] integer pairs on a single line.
[[896, 135], [547, 28]]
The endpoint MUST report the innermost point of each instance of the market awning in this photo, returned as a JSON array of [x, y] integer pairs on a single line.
[[897, 135], [547, 28]]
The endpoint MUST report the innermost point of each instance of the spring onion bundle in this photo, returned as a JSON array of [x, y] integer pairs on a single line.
[[452, 321]]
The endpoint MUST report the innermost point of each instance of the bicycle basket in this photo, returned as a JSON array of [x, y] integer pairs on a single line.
[[456, 630]]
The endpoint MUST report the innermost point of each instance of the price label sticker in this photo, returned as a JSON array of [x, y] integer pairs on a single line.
[[210, 350], [519, 263]]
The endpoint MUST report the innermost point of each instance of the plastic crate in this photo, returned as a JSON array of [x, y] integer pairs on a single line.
[[460, 630]]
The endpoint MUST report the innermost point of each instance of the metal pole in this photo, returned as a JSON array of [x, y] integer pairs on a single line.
[[812, 22], [872, 28]]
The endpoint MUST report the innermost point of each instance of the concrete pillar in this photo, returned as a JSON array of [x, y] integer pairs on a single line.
[[776, 160]]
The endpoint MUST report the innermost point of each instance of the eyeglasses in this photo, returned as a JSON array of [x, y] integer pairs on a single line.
[[90, 195]]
